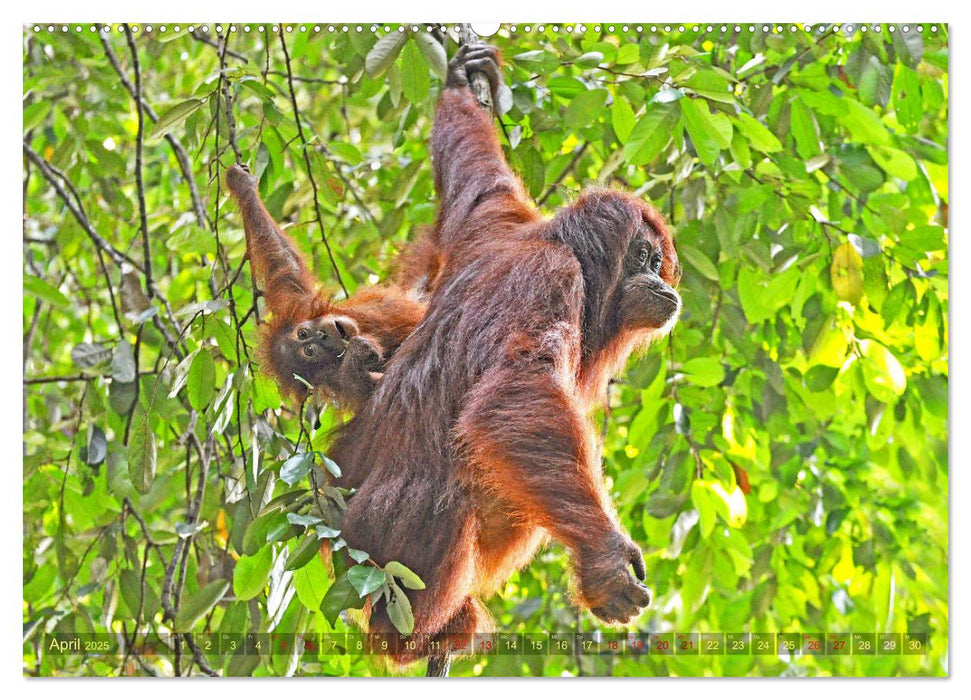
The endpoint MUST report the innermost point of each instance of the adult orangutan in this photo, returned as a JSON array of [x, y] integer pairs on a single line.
[[340, 348], [476, 445]]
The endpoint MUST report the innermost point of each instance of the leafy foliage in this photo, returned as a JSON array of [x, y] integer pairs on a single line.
[[781, 458]]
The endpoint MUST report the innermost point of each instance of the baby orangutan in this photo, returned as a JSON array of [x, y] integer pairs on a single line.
[[338, 348]]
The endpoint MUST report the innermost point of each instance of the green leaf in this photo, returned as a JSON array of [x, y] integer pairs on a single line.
[[434, 51], [709, 132], [225, 337], [894, 162], [399, 610], [130, 584], [384, 52], [346, 151], [908, 45], [538, 61], [565, 86], [252, 572], [846, 273], [804, 129], [667, 95], [740, 151], [408, 577], [331, 466], [701, 499], [35, 113], [175, 116], [366, 579], [198, 605], [591, 59], [414, 73], [759, 137], [253, 83], [697, 578], [123, 368], [532, 168], [860, 169], [259, 530], [750, 294], [627, 54], [303, 520], [882, 372], [97, 446], [142, 454], [357, 555], [704, 371], [303, 554], [864, 125], [874, 85], [622, 118], [201, 381], [297, 467], [340, 596], [651, 133], [180, 375], [45, 291], [819, 377], [923, 239], [710, 84], [664, 505], [87, 355], [699, 261], [310, 582], [830, 346], [584, 108]]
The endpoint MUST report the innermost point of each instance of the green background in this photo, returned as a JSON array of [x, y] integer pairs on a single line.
[[781, 458]]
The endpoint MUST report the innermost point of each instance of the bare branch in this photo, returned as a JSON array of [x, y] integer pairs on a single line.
[[569, 167], [185, 165], [116, 255], [199, 36], [306, 160], [139, 147]]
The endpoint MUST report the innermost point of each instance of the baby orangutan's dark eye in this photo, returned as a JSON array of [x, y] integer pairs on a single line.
[[310, 350], [302, 334]]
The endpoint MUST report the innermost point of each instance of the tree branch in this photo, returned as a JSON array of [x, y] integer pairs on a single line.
[[181, 156], [569, 167], [306, 160], [139, 147], [116, 255], [198, 36]]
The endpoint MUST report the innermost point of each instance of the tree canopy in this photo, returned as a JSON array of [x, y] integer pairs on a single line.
[[781, 458]]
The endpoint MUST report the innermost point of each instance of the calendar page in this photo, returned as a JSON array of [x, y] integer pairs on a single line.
[[471, 350]]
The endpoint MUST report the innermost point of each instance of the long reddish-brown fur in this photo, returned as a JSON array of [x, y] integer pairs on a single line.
[[386, 313], [476, 445]]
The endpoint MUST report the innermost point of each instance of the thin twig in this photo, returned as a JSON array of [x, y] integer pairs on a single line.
[[306, 160], [227, 97], [181, 156], [111, 293], [181, 547], [569, 166], [303, 79], [116, 255], [139, 147], [349, 187], [65, 378], [198, 36]]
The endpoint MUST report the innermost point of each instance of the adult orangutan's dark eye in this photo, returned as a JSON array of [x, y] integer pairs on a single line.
[[656, 262]]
